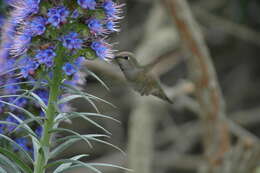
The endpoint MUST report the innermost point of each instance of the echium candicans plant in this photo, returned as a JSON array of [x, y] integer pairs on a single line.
[[44, 44]]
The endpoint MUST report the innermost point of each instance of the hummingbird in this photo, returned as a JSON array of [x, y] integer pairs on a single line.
[[139, 77]]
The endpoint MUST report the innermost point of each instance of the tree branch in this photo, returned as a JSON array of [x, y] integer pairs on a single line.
[[212, 110]]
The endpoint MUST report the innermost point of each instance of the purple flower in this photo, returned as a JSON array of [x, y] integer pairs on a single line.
[[23, 142], [79, 61], [2, 126], [11, 86], [102, 50], [57, 15], [43, 94], [87, 4], [2, 20], [42, 114], [2, 105], [77, 79], [75, 14], [21, 102], [46, 57], [21, 44], [36, 26], [23, 9], [95, 26], [11, 119], [28, 67], [72, 41], [111, 26], [112, 10], [69, 69], [38, 131]]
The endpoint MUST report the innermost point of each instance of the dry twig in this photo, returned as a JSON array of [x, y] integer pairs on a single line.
[[212, 110]]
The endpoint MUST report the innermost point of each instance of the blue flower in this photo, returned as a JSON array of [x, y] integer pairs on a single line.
[[75, 14], [69, 69], [11, 86], [111, 26], [87, 4], [2, 20], [43, 94], [46, 57], [57, 15], [102, 50], [72, 41], [28, 67], [2, 105], [38, 131], [79, 61], [112, 10], [95, 26], [11, 119], [24, 9], [21, 44], [36, 26], [23, 142], [21, 102], [2, 127]]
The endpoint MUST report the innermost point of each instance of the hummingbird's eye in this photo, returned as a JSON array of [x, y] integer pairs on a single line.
[[126, 57]]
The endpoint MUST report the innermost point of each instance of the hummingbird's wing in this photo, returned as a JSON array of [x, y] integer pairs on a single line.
[[155, 89]]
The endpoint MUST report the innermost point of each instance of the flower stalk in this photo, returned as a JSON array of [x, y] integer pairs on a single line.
[[43, 45], [55, 84]]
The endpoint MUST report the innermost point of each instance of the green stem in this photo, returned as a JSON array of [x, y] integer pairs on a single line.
[[54, 85]]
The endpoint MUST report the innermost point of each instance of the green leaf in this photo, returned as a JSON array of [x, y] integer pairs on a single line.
[[36, 146], [110, 165], [73, 132], [74, 90], [40, 101], [71, 115], [21, 109], [80, 115], [96, 77], [65, 166], [17, 146], [18, 83], [14, 124], [10, 166], [70, 140], [8, 71], [69, 98], [62, 161], [25, 126], [88, 136], [27, 121], [90, 101], [109, 144], [63, 146], [92, 138], [18, 161], [2, 170]]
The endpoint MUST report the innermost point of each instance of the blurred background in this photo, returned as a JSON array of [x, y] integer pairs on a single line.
[[181, 138]]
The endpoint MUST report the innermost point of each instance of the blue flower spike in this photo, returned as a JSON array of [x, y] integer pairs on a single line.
[[43, 47]]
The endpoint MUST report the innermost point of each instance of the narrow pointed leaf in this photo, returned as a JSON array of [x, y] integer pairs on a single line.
[[17, 160], [10, 166], [62, 161], [65, 166], [17, 146], [97, 78], [74, 133]]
